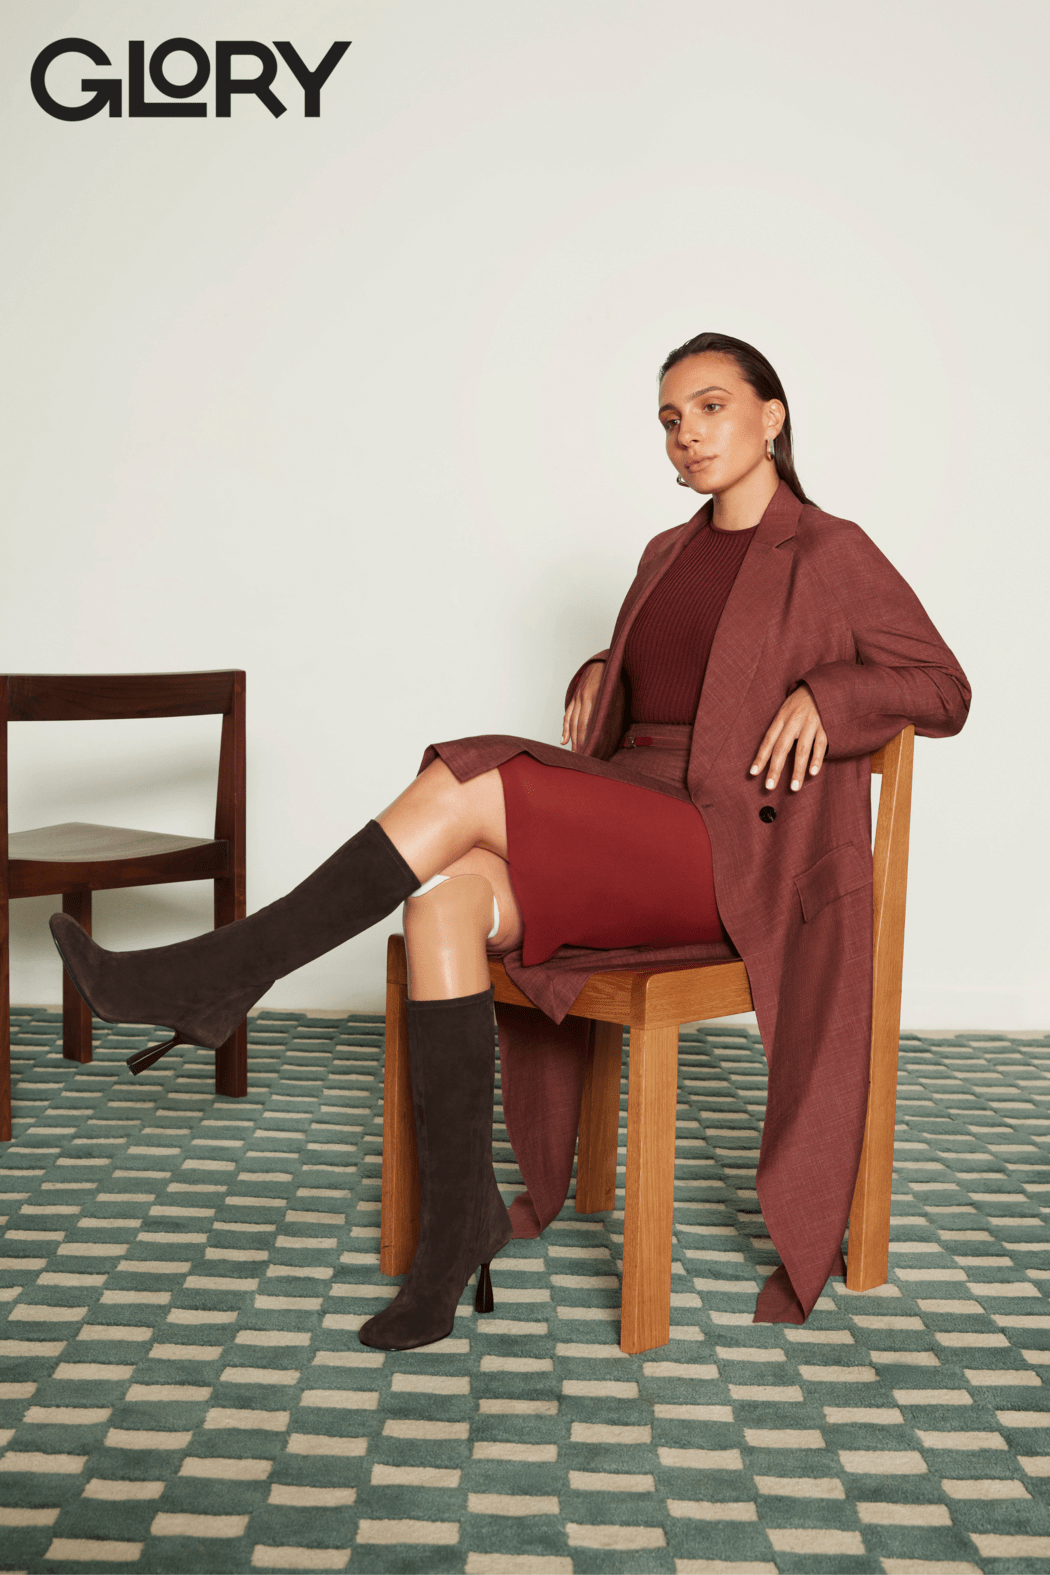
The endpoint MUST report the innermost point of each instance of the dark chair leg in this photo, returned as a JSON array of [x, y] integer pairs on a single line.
[[76, 1013], [231, 1058], [5, 1026], [231, 1064]]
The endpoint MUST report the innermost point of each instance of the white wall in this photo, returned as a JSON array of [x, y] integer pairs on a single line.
[[365, 404]]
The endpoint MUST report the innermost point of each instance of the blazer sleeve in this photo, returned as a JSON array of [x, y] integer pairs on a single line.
[[601, 656], [902, 672]]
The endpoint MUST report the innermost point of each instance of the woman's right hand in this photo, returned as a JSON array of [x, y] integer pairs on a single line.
[[581, 706]]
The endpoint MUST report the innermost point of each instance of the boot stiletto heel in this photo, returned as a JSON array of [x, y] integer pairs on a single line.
[[483, 1302], [144, 1058]]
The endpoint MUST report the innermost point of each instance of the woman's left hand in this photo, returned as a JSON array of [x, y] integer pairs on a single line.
[[797, 722]]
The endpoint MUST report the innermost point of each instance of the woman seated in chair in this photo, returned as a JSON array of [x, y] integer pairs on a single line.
[[715, 789]]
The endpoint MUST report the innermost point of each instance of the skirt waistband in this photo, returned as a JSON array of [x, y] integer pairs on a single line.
[[657, 735]]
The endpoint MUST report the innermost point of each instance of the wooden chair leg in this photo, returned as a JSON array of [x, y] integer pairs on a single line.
[[868, 1258], [600, 1122], [649, 1197], [231, 1064], [76, 1013], [231, 1058], [399, 1220], [5, 1023], [869, 1222]]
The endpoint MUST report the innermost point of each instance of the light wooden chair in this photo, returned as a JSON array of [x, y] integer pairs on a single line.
[[74, 859], [654, 1004]]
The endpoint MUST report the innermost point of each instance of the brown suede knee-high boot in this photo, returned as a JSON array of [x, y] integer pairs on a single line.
[[462, 1219], [201, 988]]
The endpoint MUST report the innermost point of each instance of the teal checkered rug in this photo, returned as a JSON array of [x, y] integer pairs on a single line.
[[182, 1390]]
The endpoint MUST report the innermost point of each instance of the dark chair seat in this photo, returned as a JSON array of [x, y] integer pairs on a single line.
[[79, 856]]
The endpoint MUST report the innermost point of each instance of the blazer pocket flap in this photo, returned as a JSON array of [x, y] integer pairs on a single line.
[[842, 870]]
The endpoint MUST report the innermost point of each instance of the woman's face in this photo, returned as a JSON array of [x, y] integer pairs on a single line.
[[716, 424]]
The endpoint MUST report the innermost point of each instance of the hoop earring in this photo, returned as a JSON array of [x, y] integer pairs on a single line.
[[769, 449], [681, 481]]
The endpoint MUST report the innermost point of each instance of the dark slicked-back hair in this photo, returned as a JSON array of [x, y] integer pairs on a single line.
[[757, 371]]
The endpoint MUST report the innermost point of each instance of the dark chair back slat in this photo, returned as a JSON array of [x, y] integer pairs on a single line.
[[59, 697]]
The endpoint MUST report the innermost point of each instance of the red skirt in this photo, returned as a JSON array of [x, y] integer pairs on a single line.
[[604, 863]]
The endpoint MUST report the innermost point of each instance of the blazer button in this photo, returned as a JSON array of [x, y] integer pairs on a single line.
[[767, 813]]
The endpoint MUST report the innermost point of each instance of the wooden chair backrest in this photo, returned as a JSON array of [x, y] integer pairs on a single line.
[[77, 697], [893, 762], [867, 1261]]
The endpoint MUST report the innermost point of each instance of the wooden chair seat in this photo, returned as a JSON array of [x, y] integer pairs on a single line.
[[653, 996], [653, 1004], [77, 858]]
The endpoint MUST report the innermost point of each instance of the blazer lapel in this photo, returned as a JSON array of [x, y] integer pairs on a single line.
[[635, 600], [741, 632]]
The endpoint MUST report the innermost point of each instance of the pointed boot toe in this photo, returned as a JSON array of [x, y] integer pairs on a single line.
[[83, 960], [163, 985], [400, 1328]]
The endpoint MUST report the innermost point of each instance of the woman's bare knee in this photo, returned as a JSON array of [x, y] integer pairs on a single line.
[[438, 819], [507, 915], [461, 902], [445, 934]]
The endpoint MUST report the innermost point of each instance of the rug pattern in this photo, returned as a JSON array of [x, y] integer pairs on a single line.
[[181, 1388]]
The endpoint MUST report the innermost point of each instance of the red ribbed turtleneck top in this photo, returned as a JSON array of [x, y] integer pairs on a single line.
[[667, 650]]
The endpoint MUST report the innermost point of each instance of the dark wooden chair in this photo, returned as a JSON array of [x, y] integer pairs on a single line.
[[653, 1004], [75, 859]]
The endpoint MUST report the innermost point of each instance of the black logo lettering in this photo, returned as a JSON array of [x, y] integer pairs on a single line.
[[171, 104], [311, 82], [105, 90], [137, 104], [227, 84]]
